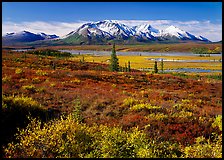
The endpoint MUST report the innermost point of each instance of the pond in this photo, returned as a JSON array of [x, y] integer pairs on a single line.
[[194, 70], [180, 60]]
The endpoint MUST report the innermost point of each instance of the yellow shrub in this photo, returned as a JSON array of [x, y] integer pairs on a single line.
[[20, 101], [218, 122], [204, 148], [75, 81], [67, 138], [36, 80], [141, 106], [41, 73], [130, 102], [31, 88], [18, 71], [157, 116]]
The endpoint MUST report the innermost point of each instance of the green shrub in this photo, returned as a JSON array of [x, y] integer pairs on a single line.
[[77, 112], [200, 50], [218, 77], [50, 52]]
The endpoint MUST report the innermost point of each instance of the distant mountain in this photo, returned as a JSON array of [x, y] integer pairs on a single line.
[[106, 31], [25, 37], [219, 42]]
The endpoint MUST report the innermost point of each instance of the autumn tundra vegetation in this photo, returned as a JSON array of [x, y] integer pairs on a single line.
[[55, 105]]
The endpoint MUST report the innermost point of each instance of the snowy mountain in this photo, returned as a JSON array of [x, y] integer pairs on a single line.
[[104, 32], [173, 31], [107, 30], [146, 31], [48, 36], [24, 37]]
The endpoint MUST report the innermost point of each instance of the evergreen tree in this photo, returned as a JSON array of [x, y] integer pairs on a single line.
[[162, 65], [125, 67], [155, 67], [129, 66], [114, 65]]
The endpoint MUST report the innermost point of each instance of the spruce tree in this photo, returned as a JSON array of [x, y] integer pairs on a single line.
[[125, 67], [114, 65], [162, 65], [155, 67], [129, 66]]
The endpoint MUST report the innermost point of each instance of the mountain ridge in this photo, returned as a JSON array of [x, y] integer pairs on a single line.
[[107, 31], [112, 30], [25, 37]]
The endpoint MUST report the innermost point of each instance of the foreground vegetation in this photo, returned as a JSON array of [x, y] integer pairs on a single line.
[[66, 107]]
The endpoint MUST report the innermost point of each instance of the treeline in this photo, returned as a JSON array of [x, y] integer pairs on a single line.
[[50, 52], [204, 50]]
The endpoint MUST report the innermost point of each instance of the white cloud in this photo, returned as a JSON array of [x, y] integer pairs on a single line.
[[58, 28], [204, 28]]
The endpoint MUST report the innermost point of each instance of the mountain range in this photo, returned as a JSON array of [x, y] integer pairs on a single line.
[[25, 37], [107, 31]]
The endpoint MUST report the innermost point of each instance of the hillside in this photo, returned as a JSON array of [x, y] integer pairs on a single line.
[[140, 113]]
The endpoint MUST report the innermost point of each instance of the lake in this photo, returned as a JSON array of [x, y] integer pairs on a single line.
[[99, 53]]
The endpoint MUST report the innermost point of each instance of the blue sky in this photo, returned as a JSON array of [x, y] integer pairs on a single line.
[[94, 11], [74, 13]]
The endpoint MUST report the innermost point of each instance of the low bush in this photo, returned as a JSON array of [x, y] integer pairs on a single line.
[[15, 110], [41, 73], [30, 88], [204, 148], [66, 137], [18, 71], [142, 106], [130, 102]]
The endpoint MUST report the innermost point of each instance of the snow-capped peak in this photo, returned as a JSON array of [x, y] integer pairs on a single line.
[[116, 29], [48, 36], [30, 35], [174, 31]]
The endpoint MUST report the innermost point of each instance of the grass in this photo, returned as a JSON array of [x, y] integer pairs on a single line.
[[138, 62], [218, 77]]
